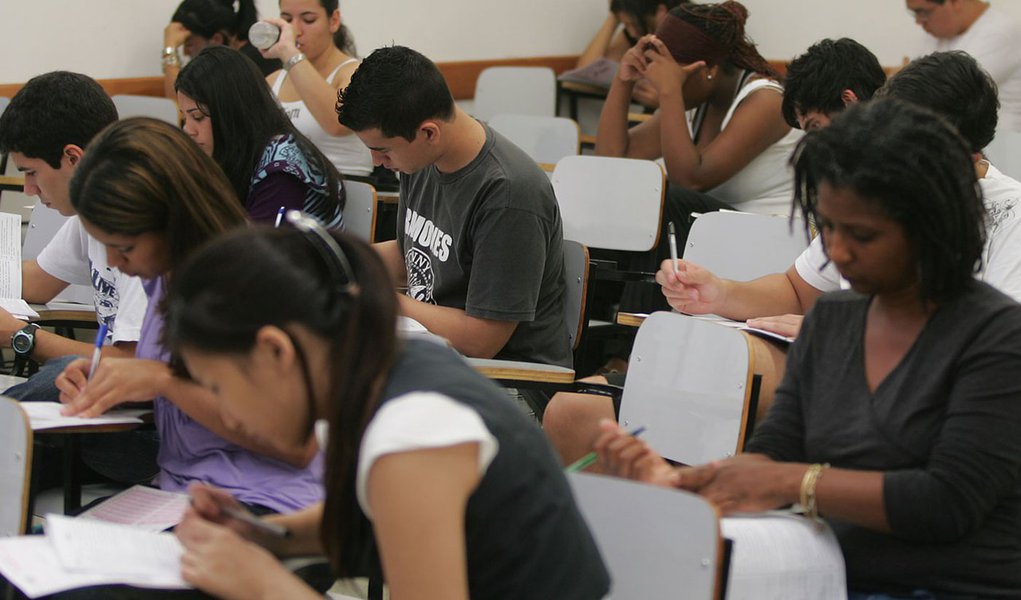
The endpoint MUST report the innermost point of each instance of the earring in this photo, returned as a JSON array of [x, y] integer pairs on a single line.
[[709, 77]]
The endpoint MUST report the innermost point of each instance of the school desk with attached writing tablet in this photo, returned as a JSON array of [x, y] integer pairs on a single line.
[[45, 419]]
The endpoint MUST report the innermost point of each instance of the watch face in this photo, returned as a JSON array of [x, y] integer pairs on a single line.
[[22, 342]]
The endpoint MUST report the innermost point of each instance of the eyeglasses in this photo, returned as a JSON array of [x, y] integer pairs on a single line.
[[328, 248]]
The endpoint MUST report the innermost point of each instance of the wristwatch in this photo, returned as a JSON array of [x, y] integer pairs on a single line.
[[23, 340]]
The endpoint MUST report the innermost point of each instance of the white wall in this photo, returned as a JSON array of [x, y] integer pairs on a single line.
[[123, 38]]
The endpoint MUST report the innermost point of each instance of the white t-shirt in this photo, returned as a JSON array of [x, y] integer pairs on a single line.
[[75, 257], [1001, 259], [994, 39], [417, 421]]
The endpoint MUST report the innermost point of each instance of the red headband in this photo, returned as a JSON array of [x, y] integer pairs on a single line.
[[689, 44]]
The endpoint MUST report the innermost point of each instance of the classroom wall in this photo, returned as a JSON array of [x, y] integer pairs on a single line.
[[123, 38]]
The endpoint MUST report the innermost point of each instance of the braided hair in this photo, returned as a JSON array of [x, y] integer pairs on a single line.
[[725, 22]]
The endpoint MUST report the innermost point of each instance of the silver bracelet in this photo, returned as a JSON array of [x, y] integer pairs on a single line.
[[297, 58]]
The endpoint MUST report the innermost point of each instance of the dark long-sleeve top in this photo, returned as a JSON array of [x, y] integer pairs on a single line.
[[944, 427]]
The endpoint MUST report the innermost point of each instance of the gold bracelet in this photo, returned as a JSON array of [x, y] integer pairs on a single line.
[[808, 483]]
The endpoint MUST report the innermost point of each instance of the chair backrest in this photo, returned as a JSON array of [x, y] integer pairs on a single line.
[[15, 467], [576, 278], [515, 90], [1005, 153], [610, 203], [656, 542], [689, 384], [743, 246], [42, 226], [129, 105], [545, 139], [360, 209]]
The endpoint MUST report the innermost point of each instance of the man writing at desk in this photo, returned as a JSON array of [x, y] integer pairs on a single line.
[[45, 129], [479, 235]]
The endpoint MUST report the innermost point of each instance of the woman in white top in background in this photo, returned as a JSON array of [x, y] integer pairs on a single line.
[[318, 59]]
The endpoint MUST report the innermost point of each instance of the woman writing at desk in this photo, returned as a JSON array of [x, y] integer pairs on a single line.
[[152, 198], [898, 416], [427, 463]]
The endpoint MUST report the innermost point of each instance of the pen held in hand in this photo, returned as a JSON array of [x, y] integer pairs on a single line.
[[672, 238], [273, 529], [97, 352], [585, 461]]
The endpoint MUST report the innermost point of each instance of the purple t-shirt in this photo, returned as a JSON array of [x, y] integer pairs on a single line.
[[190, 452]]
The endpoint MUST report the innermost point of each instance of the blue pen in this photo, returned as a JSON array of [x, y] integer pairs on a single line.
[[280, 216], [98, 351]]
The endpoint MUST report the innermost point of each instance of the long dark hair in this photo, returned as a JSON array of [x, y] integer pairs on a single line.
[[228, 88], [917, 169], [143, 175], [226, 293]]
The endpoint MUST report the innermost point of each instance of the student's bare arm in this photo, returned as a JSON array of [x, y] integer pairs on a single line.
[[471, 336], [390, 253], [422, 535], [38, 286]]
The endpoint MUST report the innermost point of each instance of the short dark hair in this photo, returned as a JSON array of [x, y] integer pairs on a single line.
[[956, 87], [816, 79], [229, 89], [52, 111], [917, 169], [640, 10], [395, 89], [206, 18]]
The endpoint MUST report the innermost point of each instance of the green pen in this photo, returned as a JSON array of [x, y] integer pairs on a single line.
[[591, 457]]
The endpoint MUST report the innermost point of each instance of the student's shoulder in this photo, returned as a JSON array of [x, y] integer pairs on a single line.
[[525, 181]]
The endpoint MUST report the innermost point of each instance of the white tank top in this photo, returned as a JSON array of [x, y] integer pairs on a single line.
[[766, 184], [346, 152]]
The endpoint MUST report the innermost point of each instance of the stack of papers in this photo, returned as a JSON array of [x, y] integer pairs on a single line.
[[141, 507], [77, 553], [10, 268], [46, 415]]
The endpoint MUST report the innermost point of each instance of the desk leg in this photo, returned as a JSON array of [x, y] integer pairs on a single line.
[[72, 473]]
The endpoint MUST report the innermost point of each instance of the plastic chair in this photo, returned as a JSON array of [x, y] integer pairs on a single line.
[[744, 246], [610, 203], [42, 226], [545, 139], [691, 383], [515, 90], [15, 467], [657, 543], [129, 105], [360, 209], [550, 377]]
